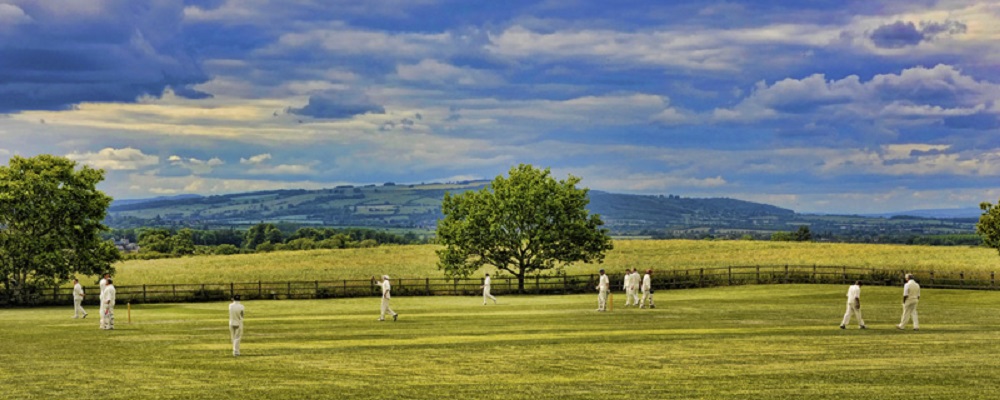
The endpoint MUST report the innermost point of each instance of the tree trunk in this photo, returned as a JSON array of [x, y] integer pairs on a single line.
[[520, 282]]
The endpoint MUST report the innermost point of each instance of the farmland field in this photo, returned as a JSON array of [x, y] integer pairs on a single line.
[[420, 261], [730, 342]]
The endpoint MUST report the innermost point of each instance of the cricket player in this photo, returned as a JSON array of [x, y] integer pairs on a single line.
[[627, 286], [78, 300], [386, 294], [636, 280], [647, 290], [603, 285], [108, 318], [486, 290], [853, 306], [103, 284], [236, 324], [911, 296]]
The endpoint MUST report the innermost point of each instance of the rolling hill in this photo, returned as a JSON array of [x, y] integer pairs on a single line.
[[418, 207]]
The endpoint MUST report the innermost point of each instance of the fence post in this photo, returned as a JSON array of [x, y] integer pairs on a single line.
[[701, 277], [144, 293], [175, 292], [260, 292], [992, 276], [814, 273], [428, 286], [55, 293], [345, 287], [538, 286], [289, 290], [845, 275], [565, 285], [317, 290], [932, 277], [961, 278], [758, 274], [786, 273], [232, 289], [730, 275]]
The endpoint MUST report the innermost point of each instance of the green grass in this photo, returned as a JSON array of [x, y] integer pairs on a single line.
[[732, 342], [421, 261]]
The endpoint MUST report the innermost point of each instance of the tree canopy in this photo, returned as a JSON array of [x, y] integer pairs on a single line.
[[522, 223], [988, 227], [50, 223]]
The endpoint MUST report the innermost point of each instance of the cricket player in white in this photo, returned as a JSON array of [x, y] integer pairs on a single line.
[[636, 280], [911, 296], [853, 306], [603, 285], [486, 290], [78, 300], [386, 295], [647, 290], [236, 324], [627, 286], [102, 284], [108, 318]]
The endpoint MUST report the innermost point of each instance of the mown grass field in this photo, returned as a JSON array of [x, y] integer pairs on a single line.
[[773, 342], [421, 261]]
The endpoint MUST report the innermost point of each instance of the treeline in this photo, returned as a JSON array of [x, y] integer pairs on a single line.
[[149, 243]]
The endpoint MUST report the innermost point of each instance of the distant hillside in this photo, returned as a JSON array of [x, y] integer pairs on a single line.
[[418, 207], [968, 212]]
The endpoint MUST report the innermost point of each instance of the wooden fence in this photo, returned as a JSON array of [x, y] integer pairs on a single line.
[[537, 284]]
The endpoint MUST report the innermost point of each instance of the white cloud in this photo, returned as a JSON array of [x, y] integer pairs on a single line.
[[11, 15], [434, 71], [196, 166], [283, 169], [111, 159], [257, 159]]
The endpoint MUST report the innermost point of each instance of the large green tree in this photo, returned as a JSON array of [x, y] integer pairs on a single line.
[[988, 226], [522, 223], [50, 223]]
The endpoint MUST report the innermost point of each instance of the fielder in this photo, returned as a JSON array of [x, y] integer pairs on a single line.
[[627, 286], [486, 290], [636, 280], [647, 290], [103, 284], [236, 324], [911, 296], [603, 285], [386, 294], [108, 318], [78, 300], [853, 306]]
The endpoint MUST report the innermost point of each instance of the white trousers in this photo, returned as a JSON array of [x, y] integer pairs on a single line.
[[487, 295], [602, 300], [78, 307], [910, 310], [645, 295], [852, 310], [385, 307], [108, 317], [236, 333], [629, 294]]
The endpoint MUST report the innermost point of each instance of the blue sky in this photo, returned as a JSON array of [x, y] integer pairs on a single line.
[[819, 106]]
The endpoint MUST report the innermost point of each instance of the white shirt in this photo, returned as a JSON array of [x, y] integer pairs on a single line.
[[386, 287], [103, 284], [635, 278], [854, 292], [236, 314], [647, 283], [911, 289], [108, 295], [604, 283], [77, 291], [486, 283], [628, 281]]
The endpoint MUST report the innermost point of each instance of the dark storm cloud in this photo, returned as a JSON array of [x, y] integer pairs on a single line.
[[337, 105], [64, 54], [901, 34]]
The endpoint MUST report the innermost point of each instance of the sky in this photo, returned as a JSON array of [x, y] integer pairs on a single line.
[[818, 106]]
